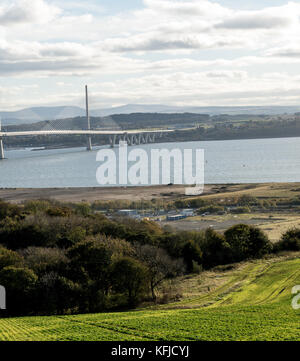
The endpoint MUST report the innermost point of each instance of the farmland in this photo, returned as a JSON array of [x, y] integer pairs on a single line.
[[250, 301]]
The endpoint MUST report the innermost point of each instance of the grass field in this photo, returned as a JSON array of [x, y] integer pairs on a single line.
[[250, 302], [274, 227]]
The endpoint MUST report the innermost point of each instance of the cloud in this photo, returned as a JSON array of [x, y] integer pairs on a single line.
[[268, 18], [252, 21], [158, 42], [226, 74], [27, 11], [188, 8], [170, 51], [166, 25], [285, 52], [66, 58]]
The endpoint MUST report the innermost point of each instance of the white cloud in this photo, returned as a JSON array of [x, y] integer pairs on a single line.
[[188, 8], [292, 51], [279, 17], [255, 21], [27, 11], [171, 51]]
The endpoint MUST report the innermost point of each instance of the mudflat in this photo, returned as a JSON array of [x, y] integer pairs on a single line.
[[76, 195], [166, 192]]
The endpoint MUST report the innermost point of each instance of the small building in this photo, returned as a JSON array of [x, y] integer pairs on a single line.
[[127, 213], [188, 212], [176, 217]]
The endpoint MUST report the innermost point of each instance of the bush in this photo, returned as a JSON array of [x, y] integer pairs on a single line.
[[216, 250], [290, 241], [192, 255], [44, 260], [241, 210], [20, 285], [56, 294], [9, 258], [247, 242], [211, 209]]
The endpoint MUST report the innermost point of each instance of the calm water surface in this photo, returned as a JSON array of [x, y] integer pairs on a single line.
[[231, 161]]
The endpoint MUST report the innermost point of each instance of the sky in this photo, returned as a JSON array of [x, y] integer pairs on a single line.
[[172, 52]]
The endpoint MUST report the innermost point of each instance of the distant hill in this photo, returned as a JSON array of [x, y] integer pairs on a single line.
[[32, 115], [115, 122], [37, 114], [230, 110]]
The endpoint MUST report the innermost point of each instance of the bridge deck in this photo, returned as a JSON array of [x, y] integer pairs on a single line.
[[81, 132]]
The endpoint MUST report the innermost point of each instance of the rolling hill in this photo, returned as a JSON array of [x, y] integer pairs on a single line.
[[37, 114], [251, 302]]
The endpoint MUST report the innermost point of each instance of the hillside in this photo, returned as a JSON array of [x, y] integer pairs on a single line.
[[250, 302], [32, 115], [37, 114]]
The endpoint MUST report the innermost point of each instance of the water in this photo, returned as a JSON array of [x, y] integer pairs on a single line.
[[230, 161]]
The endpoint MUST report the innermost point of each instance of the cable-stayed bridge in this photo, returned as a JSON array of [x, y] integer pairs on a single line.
[[133, 137]]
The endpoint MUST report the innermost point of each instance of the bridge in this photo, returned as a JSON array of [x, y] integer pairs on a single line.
[[133, 137]]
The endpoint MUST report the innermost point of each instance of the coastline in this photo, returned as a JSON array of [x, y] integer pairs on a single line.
[[91, 194]]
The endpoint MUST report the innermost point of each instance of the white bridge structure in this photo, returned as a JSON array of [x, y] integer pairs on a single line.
[[133, 137]]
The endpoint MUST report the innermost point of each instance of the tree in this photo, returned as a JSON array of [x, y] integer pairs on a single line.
[[19, 284], [56, 294], [9, 258], [216, 251], [129, 276], [44, 260], [247, 242], [192, 255], [160, 265], [93, 256], [290, 241]]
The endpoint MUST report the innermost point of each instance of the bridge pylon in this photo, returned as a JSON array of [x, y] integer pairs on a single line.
[[89, 145], [1, 149], [1, 144]]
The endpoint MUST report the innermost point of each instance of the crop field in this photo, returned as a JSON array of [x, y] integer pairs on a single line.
[[250, 302]]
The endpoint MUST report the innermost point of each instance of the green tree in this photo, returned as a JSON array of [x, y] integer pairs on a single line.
[[247, 242], [192, 254], [9, 258], [20, 286], [129, 276], [216, 251]]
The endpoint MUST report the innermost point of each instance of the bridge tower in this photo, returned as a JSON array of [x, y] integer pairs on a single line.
[[1, 144], [89, 146]]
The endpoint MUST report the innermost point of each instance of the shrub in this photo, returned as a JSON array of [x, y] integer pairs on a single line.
[[247, 242], [216, 250], [44, 260], [9, 258], [20, 286], [290, 241]]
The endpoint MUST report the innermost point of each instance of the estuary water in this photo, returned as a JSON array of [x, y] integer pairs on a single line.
[[230, 161]]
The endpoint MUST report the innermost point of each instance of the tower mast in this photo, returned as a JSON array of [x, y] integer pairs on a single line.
[[1, 143], [89, 146]]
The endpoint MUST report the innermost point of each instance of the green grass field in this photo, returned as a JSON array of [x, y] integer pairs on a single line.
[[253, 303]]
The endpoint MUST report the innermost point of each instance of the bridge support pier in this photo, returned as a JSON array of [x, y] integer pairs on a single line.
[[89, 146], [112, 141], [1, 149]]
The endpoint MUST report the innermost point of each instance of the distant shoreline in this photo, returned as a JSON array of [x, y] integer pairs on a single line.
[[215, 139], [92, 194]]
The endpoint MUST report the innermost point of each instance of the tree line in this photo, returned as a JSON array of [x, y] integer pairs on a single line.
[[62, 259]]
